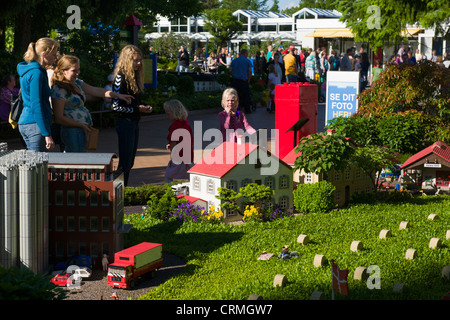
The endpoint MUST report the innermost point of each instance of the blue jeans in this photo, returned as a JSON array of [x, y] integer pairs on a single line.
[[32, 136], [291, 78], [74, 139], [128, 134]]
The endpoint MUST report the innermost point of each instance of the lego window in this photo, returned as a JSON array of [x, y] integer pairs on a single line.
[[70, 197], [245, 182], [211, 186], [82, 248], [93, 198], [82, 198], [308, 177], [231, 184], [59, 197], [337, 176], [98, 174], [347, 175], [196, 183], [71, 174], [89, 175], [59, 223], [337, 195], [284, 182], [70, 223], [93, 249], [82, 223], [358, 174], [94, 224], [105, 198], [284, 202], [269, 182], [105, 224], [71, 248]]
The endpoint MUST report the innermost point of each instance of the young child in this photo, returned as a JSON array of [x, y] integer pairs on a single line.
[[180, 141], [272, 80], [230, 118]]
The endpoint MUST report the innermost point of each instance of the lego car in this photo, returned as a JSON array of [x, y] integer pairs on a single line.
[[61, 279]]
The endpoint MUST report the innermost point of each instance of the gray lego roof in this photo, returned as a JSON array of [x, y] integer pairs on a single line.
[[80, 158]]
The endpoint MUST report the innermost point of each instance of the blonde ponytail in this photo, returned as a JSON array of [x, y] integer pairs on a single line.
[[34, 50]]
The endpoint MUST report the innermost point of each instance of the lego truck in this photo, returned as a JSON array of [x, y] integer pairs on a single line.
[[132, 263]]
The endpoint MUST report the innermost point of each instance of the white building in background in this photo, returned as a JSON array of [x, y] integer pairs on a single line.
[[306, 28]]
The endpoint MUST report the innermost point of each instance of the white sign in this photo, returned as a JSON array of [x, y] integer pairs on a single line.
[[432, 165], [342, 91]]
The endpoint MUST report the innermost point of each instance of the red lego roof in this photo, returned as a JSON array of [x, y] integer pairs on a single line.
[[291, 156], [191, 199], [439, 148], [223, 158]]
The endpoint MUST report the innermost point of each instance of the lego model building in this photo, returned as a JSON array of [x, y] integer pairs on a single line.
[[85, 206], [429, 168], [23, 210], [233, 165]]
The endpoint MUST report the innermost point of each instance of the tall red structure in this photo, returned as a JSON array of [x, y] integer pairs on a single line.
[[295, 114]]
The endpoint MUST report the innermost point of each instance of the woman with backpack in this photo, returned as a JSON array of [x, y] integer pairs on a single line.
[[334, 61]]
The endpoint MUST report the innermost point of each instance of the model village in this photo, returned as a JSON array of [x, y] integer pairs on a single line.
[[66, 216]]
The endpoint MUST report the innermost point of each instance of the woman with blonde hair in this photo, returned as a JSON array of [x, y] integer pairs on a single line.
[[36, 118], [128, 79], [68, 98]]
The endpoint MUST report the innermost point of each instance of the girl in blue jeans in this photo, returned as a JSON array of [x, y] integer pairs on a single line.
[[129, 80], [36, 118]]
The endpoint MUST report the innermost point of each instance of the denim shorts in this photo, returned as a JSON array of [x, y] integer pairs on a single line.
[[74, 139], [32, 136]]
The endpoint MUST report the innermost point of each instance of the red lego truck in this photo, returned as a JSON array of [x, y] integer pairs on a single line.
[[132, 263]]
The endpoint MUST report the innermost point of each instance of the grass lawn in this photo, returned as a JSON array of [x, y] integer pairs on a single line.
[[222, 259]]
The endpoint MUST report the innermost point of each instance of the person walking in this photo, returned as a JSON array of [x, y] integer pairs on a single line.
[[241, 74], [36, 118], [128, 79], [346, 64]]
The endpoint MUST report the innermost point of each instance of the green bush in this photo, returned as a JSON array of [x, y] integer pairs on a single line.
[[315, 197], [159, 207], [23, 284], [135, 196], [185, 86]]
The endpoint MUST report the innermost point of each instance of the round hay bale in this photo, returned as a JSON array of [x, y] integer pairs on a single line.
[[433, 216], [356, 246], [446, 272], [404, 225], [319, 260], [410, 254], [361, 274], [254, 296], [435, 243], [279, 280], [447, 235], [385, 234], [317, 295], [303, 239]]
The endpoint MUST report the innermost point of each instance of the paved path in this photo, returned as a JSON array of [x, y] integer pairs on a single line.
[[152, 157]]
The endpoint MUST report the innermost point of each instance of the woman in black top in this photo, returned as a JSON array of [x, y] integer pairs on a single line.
[[129, 79]]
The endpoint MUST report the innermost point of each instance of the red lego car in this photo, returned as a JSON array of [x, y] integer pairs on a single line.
[[61, 279]]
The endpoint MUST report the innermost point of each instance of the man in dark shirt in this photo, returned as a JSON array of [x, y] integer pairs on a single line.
[[183, 58]]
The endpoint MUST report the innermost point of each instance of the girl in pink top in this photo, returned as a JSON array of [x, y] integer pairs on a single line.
[[232, 119]]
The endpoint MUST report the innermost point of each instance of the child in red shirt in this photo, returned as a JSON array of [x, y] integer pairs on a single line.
[[180, 142]]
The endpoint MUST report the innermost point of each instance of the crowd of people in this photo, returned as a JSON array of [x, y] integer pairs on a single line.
[[54, 96]]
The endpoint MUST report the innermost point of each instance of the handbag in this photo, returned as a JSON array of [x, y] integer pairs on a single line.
[[16, 109], [92, 139]]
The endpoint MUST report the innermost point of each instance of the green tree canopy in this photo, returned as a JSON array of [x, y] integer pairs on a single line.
[[222, 25]]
